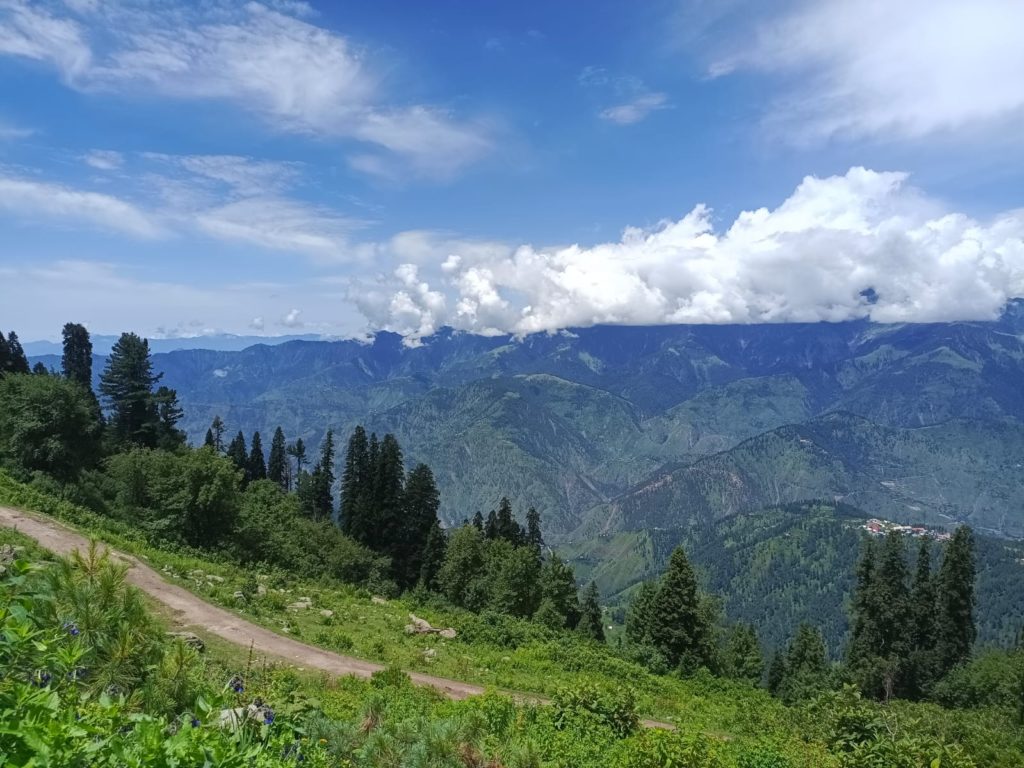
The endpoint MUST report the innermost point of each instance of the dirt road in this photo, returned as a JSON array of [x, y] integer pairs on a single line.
[[192, 611]]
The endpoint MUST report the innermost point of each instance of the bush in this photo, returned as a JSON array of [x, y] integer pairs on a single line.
[[613, 709]]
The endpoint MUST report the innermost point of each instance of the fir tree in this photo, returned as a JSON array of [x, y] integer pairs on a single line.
[[743, 657], [239, 455], [127, 386], [169, 413], [39, 370], [385, 513], [776, 676], [420, 503], [491, 526], [507, 527], [297, 451], [640, 615], [478, 521], [355, 486], [679, 623], [591, 624], [5, 356], [256, 465], [921, 672], [17, 361], [277, 462], [217, 430], [209, 441], [864, 621], [806, 665], [323, 480], [955, 630], [534, 537], [433, 556], [558, 590], [76, 362]]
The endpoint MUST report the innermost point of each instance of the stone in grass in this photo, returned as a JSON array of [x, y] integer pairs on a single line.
[[378, 600], [327, 613], [302, 604], [191, 640]]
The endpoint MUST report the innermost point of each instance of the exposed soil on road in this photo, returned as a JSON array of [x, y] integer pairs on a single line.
[[190, 610]]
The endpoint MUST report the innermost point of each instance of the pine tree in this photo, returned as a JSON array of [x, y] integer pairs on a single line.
[[209, 441], [169, 413], [955, 630], [217, 430], [256, 465], [355, 486], [5, 356], [277, 462], [433, 556], [891, 594], [127, 385], [491, 526], [420, 503], [591, 624], [239, 455], [39, 370], [558, 589], [921, 671], [478, 521], [507, 527], [743, 657], [323, 480], [640, 616], [806, 665], [76, 362], [17, 362], [385, 506], [680, 628], [534, 537], [297, 451], [776, 676]]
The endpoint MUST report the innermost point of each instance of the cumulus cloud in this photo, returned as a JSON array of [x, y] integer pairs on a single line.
[[268, 59], [292, 319], [906, 69], [864, 244], [38, 199], [636, 110]]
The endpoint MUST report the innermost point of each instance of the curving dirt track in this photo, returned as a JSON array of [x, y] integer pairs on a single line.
[[191, 610]]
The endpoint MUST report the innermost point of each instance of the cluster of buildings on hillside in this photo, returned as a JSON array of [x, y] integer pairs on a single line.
[[877, 527]]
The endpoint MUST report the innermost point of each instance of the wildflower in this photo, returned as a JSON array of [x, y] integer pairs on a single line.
[[258, 702], [41, 678], [235, 684], [71, 628], [268, 716], [195, 721], [78, 673]]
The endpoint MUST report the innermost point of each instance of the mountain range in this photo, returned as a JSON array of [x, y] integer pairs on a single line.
[[613, 428]]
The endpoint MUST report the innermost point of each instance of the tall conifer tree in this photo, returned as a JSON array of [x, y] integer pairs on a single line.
[[76, 362], [591, 624], [277, 461], [127, 385], [17, 361], [679, 623], [238, 454], [355, 485], [256, 466], [955, 629]]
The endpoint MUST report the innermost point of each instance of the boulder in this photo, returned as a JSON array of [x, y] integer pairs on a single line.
[[378, 600], [189, 639], [327, 613], [302, 604]]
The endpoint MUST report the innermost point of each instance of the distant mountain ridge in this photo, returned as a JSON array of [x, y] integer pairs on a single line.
[[223, 342], [579, 423]]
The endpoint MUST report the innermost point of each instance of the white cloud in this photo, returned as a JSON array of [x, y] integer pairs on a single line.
[[292, 319], [634, 101], [104, 159], [636, 110], [905, 69], [256, 324], [809, 259], [272, 61], [53, 201], [10, 132]]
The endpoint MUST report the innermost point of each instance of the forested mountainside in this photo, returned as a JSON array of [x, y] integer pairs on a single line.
[[784, 565], [582, 424]]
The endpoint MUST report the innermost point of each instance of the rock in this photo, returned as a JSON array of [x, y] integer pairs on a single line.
[[215, 579], [302, 604], [448, 634], [233, 718], [429, 654], [189, 639], [261, 590], [238, 595], [197, 574], [326, 613], [378, 600], [418, 626]]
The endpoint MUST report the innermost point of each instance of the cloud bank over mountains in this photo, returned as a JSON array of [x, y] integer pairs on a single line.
[[866, 244]]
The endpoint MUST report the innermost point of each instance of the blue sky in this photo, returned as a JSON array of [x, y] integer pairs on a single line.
[[186, 168]]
